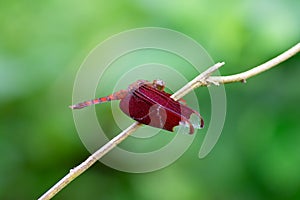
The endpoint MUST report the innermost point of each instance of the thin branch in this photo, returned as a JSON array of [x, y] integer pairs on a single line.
[[200, 79], [203, 79], [75, 172], [256, 70]]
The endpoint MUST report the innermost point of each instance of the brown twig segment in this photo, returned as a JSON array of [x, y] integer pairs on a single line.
[[202, 80], [196, 82], [256, 70], [75, 172]]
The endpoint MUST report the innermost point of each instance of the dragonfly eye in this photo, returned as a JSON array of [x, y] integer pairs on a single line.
[[159, 84]]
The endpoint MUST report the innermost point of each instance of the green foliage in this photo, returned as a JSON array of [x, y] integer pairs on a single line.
[[42, 44]]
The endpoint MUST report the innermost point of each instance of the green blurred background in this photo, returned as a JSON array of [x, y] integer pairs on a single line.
[[43, 43]]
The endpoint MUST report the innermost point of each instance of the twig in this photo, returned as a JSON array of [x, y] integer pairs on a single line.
[[75, 172], [256, 70], [196, 82], [203, 79]]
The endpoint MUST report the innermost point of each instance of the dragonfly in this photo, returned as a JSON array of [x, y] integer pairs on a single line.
[[148, 103]]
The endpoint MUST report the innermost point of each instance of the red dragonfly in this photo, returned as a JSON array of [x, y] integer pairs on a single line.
[[148, 103]]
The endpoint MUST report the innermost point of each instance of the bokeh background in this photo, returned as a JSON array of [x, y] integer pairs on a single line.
[[42, 45]]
